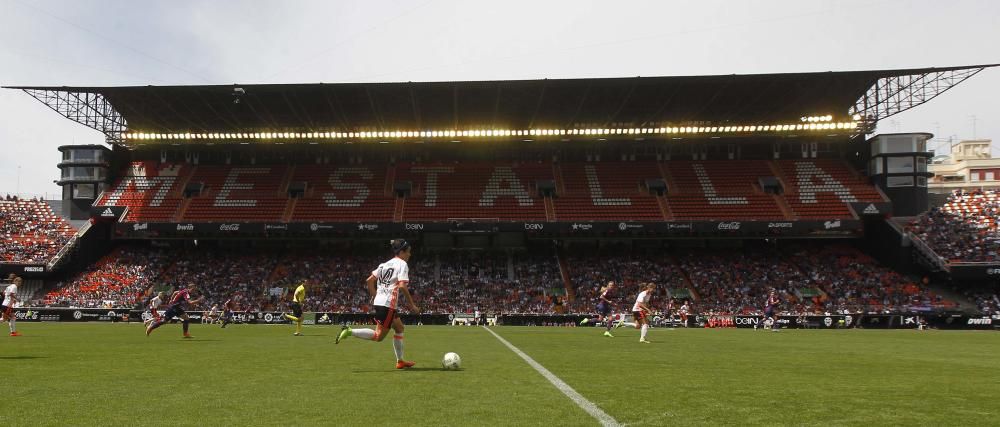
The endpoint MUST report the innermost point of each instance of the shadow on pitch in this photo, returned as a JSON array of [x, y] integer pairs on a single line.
[[198, 340], [22, 357]]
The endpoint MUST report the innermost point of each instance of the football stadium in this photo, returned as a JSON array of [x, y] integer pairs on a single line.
[[739, 249]]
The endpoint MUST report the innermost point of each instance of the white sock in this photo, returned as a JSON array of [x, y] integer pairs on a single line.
[[397, 346], [12, 327], [645, 328], [365, 334]]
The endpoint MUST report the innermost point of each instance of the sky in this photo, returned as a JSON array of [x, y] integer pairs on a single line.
[[127, 42]]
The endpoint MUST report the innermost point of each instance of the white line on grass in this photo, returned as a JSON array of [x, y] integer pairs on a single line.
[[582, 402]]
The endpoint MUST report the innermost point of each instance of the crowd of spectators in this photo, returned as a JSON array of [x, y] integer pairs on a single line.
[[121, 279], [738, 281], [447, 282], [964, 229], [490, 282], [225, 274], [334, 283], [851, 281], [986, 300], [590, 272], [809, 279], [261, 280], [29, 231]]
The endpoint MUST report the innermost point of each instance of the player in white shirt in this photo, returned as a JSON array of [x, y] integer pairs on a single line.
[[7, 309], [641, 311], [154, 304], [386, 283], [685, 309], [212, 316]]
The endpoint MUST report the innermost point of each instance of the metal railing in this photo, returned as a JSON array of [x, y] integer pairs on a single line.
[[60, 256], [929, 253]]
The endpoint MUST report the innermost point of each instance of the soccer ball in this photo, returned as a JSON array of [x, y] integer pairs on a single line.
[[451, 362]]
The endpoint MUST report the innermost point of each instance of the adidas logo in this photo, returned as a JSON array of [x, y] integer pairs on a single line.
[[871, 210], [107, 213]]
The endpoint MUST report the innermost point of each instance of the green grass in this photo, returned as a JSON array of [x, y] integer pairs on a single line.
[[90, 374]]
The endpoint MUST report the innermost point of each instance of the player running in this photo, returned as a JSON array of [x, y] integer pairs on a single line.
[[668, 312], [683, 312], [769, 309], [392, 278], [154, 305], [298, 298], [641, 311], [212, 315], [176, 309], [227, 312], [7, 309], [604, 307]]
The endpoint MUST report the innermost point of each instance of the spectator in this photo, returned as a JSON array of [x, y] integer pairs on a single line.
[[30, 232], [809, 278], [964, 229]]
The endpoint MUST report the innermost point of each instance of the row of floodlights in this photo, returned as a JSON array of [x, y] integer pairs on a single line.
[[816, 119], [498, 133]]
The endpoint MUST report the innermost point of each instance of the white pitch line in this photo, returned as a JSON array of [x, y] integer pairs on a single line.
[[582, 402]]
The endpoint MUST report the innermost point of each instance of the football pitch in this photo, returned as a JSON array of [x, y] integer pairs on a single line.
[[112, 374]]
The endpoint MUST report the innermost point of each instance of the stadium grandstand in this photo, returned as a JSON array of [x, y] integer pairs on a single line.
[[31, 232], [523, 197]]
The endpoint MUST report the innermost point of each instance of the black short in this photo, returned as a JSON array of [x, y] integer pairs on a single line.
[[384, 316], [173, 311], [603, 308], [296, 309], [6, 311]]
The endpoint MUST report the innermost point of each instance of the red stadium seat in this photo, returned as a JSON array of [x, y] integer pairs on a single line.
[[721, 190], [501, 191], [607, 191], [821, 188], [342, 194]]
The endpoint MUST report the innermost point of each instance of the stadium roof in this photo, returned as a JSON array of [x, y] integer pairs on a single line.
[[597, 103]]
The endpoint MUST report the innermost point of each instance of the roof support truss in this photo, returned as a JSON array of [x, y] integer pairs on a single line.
[[90, 109], [893, 95]]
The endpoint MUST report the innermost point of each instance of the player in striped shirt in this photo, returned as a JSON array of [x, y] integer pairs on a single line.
[[175, 308], [604, 308], [386, 283], [227, 312], [770, 317]]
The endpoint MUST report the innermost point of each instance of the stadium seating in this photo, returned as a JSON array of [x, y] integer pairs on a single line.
[[987, 302], [584, 191], [809, 278], [120, 279], [849, 278], [821, 188], [245, 193], [342, 193], [721, 190], [607, 191], [150, 191], [964, 229], [590, 272], [502, 191], [30, 232]]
